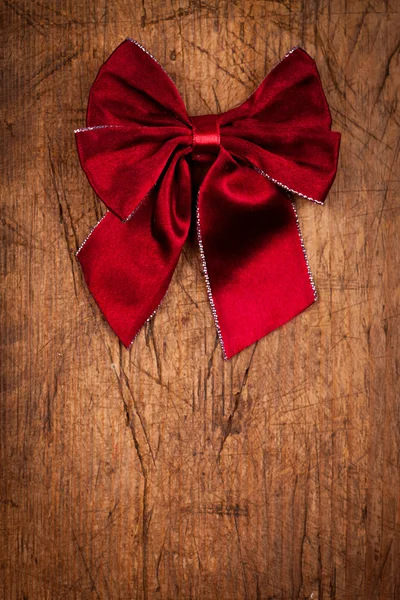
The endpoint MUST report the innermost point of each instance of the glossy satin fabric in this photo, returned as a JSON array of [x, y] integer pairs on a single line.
[[139, 151]]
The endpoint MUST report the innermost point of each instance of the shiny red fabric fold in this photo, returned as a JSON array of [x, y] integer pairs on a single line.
[[142, 154]]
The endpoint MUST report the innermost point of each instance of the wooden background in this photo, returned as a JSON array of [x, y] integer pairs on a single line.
[[164, 472]]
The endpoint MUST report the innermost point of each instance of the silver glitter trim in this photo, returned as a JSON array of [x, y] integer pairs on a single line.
[[207, 279], [304, 248], [285, 187], [146, 197], [290, 51], [88, 236], [283, 58], [134, 211], [95, 127]]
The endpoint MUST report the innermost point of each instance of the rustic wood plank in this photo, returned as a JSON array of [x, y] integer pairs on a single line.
[[165, 472]]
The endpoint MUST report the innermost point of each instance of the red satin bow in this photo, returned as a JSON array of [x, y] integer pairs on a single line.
[[144, 156]]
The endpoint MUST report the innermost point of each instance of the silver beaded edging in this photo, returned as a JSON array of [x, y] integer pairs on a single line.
[[303, 248], [207, 279], [90, 233], [129, 217], [283, 58], [95, 127], [285, 187], [290, 51], [133, 212]]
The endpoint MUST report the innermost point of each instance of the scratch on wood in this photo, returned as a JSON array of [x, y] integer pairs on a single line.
[[228, 426]]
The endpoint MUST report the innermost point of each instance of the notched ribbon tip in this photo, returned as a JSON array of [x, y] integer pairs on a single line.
[[140, 151]]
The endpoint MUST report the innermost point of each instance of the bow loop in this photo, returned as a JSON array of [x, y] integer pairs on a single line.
[[131, 87], [284, 129], [291, 90], [136, 120], [123, 163]]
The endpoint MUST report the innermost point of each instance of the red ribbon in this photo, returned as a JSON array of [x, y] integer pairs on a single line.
[[144, 155]]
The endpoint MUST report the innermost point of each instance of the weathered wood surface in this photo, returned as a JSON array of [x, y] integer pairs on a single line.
[[165, 472]]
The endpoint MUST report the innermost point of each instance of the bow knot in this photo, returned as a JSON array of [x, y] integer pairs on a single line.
[[206, 137], [136, 152]]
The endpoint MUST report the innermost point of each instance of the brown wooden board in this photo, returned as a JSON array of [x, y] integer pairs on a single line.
[[165, 472]]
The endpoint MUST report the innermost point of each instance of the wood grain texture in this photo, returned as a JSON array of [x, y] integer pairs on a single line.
[[164, 472]]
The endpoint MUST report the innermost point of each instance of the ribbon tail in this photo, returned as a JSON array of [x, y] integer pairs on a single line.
[[128, 265], [254, 260]]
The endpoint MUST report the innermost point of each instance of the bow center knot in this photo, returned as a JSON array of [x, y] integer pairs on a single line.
[[206, 137]]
